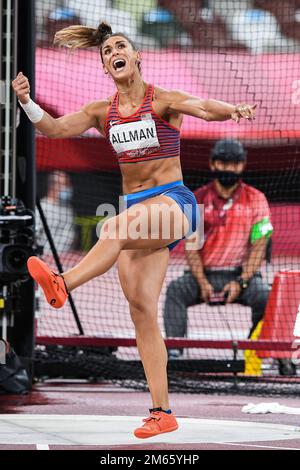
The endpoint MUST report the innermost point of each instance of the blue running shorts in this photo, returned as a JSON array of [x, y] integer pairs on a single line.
[[179, 193]]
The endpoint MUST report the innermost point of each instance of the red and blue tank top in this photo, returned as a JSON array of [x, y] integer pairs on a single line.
[[143, 135]]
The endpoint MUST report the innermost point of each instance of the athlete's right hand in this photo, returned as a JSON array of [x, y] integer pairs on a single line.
[[207, 289], [21, 88]]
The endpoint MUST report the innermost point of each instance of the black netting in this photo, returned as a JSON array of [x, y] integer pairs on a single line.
[[242, 51]]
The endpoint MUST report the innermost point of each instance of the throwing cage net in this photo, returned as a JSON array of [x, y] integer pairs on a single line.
[[242, 51]]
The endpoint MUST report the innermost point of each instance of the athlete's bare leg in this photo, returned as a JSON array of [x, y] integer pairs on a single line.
[[141, 274], [107, 250]]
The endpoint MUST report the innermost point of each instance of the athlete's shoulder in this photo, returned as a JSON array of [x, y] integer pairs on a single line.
[[166, 95], [166, 98], [97, 108], [159, 91]]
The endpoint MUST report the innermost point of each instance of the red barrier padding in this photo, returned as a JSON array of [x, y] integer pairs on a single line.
[[281, 312]]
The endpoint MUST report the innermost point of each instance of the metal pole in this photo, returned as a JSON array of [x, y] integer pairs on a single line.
[[7, 99], [15, 109], [2, 99], [22, 335]]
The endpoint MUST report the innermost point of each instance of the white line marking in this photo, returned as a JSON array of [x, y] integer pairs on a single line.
[[255, 445], [42, 447]]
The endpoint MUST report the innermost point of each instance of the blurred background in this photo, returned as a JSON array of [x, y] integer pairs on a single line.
[[235, 51]]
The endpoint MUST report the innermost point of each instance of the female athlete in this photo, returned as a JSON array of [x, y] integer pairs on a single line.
[[142, 124]]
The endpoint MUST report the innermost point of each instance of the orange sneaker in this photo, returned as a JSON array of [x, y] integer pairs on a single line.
[[158, 422], [52, 284]]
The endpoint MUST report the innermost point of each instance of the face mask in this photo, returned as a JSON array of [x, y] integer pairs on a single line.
[[227, 178], [65, 196]]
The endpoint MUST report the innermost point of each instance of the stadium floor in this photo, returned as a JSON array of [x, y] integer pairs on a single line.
[[82, 416]]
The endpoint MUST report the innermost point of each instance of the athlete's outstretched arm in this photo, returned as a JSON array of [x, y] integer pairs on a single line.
[[210, 110], [69, 125]]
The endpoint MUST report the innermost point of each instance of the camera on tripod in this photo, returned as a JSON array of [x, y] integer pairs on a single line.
[[17, 240]]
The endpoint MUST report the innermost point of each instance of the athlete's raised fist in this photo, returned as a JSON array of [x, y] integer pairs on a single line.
[[21, 87]]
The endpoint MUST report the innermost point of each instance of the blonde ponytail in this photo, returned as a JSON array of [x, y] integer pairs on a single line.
[[82, 37]]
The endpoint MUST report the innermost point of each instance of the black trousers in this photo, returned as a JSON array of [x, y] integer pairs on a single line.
[[185, 292]]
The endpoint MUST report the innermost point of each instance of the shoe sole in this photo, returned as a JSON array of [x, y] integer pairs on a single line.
[[158, 433], [40, 273]]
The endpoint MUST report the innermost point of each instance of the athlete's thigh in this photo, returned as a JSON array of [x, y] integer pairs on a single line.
[[151, 224], [142, 273]]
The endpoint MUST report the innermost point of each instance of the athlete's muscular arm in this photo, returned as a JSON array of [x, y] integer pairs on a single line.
[[209, 110], [74, 124], [70, 125]]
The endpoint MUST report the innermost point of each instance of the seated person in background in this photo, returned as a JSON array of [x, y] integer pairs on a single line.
[[236, 229], [59, 214]]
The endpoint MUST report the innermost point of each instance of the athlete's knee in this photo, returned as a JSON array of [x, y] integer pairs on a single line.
[[135, 296], [143, 313], [140, 304]]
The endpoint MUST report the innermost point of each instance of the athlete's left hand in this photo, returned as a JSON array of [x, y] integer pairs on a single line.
[[243, 110], [233, 290]]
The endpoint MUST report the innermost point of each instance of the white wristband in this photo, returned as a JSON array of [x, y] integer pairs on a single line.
[[33, 111]]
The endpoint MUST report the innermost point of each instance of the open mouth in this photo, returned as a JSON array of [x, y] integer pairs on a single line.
[[119, 64]]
